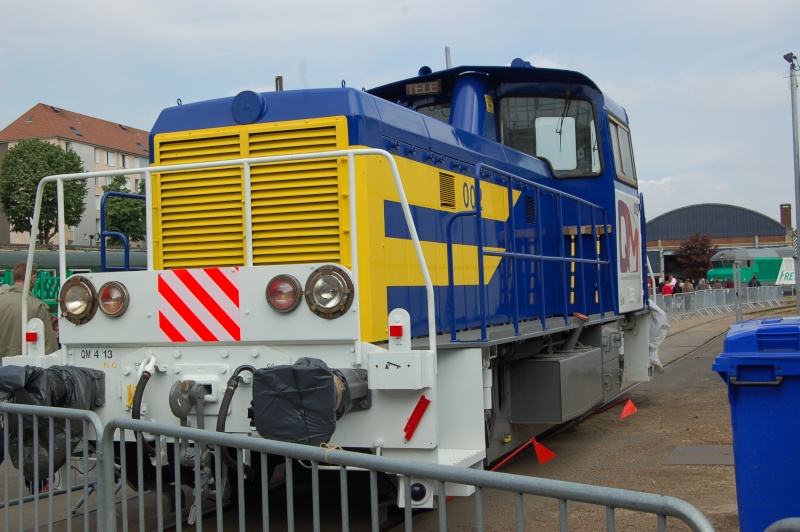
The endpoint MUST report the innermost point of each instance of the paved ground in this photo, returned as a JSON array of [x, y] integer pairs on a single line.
[[678, 443]]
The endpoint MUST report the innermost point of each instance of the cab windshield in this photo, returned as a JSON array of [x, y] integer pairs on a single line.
[[561, 130]]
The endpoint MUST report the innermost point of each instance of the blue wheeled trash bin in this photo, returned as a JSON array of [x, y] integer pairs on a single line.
[[761, 364]]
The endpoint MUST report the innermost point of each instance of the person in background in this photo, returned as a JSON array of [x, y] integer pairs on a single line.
[[754, 282], [728, 283], [11, 327], [687, 286], [702, 285], [10, 319], [668, 285], [688, 297]]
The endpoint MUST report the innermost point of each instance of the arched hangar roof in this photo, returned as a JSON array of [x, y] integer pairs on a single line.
[[718, 220]]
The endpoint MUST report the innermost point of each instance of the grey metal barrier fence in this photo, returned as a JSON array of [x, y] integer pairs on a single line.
[[706, 302], [43, 449], [344, 462], [158, 460]]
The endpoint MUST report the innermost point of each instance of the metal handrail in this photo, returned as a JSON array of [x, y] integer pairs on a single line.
[[104, 233], [483, 169], [246, 163]]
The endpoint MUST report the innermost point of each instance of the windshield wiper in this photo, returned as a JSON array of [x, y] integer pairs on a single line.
[[564, 111]]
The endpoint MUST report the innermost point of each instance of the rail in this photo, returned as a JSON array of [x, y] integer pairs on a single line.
[[482, 170], [246, 163], [116, 234], [113, 500]]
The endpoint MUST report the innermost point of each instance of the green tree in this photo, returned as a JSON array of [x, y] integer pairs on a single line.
[[695, 254], [23, 167], [125, 215]]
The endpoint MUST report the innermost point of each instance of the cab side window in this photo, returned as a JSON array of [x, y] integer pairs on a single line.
[[623, 152]]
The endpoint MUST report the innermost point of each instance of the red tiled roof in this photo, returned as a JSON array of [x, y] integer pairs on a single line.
[[46, 121]]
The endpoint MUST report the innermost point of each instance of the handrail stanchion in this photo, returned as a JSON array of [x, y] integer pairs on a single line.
[[451, 269], [564, 275], [481, 272], [540, 272], [62, 248], [248, 217]]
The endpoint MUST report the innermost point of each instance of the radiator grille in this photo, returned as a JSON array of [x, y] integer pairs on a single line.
[[295, 205]]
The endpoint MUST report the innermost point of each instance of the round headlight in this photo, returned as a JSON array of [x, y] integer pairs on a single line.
[[283, 293], [113, 298], [78, 300], [329, 292]]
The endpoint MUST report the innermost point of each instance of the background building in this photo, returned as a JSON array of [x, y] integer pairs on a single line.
[[100, 144], [729, 227]]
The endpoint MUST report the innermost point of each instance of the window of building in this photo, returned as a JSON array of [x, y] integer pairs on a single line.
[[97, 156], [125, 160], [75, 130], [141, 146], [67, 146], [560, 130], [111, 158]]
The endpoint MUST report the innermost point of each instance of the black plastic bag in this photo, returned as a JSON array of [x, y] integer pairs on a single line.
[[60, 386], [297, 403]]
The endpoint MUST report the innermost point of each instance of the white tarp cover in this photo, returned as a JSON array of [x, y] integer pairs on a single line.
[[659, 328]]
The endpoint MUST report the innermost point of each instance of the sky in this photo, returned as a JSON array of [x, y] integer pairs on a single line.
[[704, 82]]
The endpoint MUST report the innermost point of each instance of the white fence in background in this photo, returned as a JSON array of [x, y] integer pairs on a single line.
[[707, 302]]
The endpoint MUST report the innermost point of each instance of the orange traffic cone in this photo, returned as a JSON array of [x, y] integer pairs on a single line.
[[629, 409], [543, 454]]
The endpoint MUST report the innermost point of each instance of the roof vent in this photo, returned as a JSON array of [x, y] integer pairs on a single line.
[[123, 128], [29, 119], [55, 110]]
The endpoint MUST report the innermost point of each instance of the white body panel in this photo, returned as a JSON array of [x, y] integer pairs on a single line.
[[629, 253]]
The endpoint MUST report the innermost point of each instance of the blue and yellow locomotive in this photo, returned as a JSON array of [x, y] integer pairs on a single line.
[[453, 261]]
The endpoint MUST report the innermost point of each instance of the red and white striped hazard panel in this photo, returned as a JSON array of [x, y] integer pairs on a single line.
[[199, 305]]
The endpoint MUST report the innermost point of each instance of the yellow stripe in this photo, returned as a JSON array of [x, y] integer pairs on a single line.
[[404, 268]]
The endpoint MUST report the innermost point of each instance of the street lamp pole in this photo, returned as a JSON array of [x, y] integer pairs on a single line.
[[793, 68]]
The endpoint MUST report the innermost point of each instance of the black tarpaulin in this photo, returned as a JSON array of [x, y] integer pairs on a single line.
[[296, 403], [60, 386]]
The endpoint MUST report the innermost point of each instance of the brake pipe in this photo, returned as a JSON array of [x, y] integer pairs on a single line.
[[148, 367], [230, 389]]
